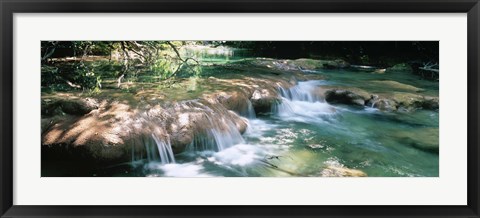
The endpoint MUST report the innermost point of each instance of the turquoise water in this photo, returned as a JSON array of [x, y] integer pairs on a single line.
[[371, 81], [307, 137]]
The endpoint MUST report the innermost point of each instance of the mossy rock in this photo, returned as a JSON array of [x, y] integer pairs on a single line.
[[383, 104], [430, 102], [78, 106], [402, 67], [311, 64], [301, 64], [50, 108], [410, 102]]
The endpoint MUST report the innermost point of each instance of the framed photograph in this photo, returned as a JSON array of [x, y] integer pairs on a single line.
[[239, 109]]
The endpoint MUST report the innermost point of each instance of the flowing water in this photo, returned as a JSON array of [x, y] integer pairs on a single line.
[[304, 136]]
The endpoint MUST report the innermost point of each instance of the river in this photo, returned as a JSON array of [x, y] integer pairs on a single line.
[[305, 136], [302, 135]]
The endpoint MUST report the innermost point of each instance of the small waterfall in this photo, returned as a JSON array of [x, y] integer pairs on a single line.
[[303, 91], [150, 150], [156, 150], [222, 134], [300, 102], [164, 150], [249, 112], [137, 158], [225, 139]]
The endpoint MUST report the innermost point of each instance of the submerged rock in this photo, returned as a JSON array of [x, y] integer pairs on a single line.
[[396, 85], [337, 171], [426, 139]]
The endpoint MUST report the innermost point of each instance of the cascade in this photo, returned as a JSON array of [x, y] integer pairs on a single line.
[[250, 112], [156, 149], [303, 91], [221, 135], [217, 133], [164, 150], [301, 102]]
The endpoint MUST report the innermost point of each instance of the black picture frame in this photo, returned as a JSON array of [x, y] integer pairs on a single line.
[[9, 7]]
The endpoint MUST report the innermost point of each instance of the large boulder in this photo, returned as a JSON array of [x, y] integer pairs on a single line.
[[409, 101], [391, 101], [117, 133], [347, 95], [403, 101]]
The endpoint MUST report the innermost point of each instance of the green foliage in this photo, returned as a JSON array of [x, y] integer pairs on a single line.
[[71, 76], [102, 48], [163, 68], [149, 61], [86, 77], [51, 79], [195, 70], [107, 68]]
